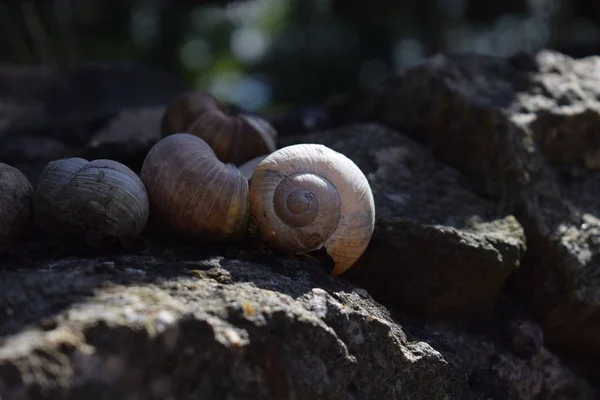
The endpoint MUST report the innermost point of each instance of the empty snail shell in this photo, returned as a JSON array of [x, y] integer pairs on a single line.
[[308, 196], [235, 138], [192, 192], [94, 200], [16, 194]]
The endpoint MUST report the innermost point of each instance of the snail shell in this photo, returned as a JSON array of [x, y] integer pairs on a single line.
[[192, 192], [99, 199], [307, 196], [235, 138], [16, 195]]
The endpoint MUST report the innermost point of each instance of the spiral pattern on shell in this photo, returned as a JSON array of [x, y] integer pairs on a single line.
[[192, 192], [99, 199], [16, 194], [304, 197], [234, 137]]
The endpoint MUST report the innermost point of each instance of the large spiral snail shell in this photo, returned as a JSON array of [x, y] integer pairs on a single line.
[[308, 196], [192, 192], [234, 137], [96, 200], [16, 194]]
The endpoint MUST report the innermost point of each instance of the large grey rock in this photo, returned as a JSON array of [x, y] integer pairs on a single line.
[[523, 130], [158, 325], [438, 248]]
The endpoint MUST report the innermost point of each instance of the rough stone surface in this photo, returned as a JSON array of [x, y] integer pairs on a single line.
[[524, 131], [160, 325], [438, 249], [513, 360]]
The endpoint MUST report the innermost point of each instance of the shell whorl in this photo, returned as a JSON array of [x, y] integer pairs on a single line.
[[304, 197], [76, 195], [194, 193], [234, 137]]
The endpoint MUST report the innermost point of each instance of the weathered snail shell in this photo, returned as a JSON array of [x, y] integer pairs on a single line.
[[308, 196], [91, 199], [235, 138], [192, 192], [16, 194]]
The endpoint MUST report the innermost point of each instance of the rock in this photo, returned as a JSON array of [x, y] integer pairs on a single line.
[[438, 249], [522, 130], [348, 108], [127, 138], [30, 153], [30, 149], [506, 355], [517, 365], [146, 325], [301, 120], [71, 104]]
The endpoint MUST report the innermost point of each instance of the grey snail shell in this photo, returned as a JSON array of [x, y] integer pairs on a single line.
[[94, 199], [16, 195], [306, 197], [234, 137], [192, 192]]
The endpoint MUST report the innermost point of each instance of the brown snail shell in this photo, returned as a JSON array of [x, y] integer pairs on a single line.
[[91, 199], [16, 195], [235, 138], [308, 196], [192, 192]]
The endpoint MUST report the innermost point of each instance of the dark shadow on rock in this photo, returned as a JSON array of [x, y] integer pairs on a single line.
[[505, 352], [127, 137], [521, 129], [175, 317], [42, 276]]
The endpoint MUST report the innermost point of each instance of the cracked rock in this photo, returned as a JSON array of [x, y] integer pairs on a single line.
[[523, 130]]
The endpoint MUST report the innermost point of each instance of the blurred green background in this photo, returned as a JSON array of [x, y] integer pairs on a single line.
[[270, 55]]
